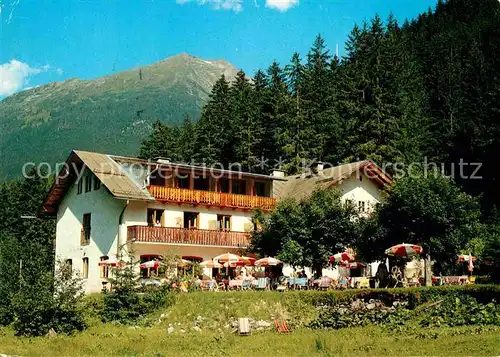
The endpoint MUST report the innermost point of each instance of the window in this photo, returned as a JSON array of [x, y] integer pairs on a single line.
[[182, 181], [260, 189], [361, 206], [157, 178], [155, 217], [239, 187], [80, 186], [88, 183], [85, 268], [104, 268], [85, 237], [223, 222], [191, 220], [201, 184], [224, 185], [69, 264], [97, 183]]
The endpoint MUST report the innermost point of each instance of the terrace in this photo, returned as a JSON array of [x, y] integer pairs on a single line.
[[172, 235], [243, 192]]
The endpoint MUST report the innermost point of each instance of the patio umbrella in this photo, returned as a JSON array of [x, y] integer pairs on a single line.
[[210, 264], [183, 263], [227, 257], [352, 265], [152, 264], [249, 260], [341, 257], [466, 258], [242, 262], [267, 262], [111, 262], [404, 250]]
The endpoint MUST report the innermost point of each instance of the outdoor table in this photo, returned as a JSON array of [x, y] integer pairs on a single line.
[[455, 280], [235, 284]]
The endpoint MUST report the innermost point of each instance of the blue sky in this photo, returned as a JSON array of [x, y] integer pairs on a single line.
[[42, 41]]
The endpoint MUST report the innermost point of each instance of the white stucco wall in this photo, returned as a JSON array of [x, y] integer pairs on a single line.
[[105, 211], [136, 214], [365, 190]]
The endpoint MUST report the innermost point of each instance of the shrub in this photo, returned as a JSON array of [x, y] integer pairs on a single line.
[[456, 305], [454, 311], [50, 302], [125, 304]]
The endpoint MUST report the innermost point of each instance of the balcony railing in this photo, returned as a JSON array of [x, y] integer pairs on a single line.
[[187, 236], [209, 198]]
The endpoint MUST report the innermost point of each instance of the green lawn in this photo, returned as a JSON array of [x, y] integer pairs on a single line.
[[150, 336], [109, 340]]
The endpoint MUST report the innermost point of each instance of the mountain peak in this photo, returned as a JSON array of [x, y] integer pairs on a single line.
[[105, 114]]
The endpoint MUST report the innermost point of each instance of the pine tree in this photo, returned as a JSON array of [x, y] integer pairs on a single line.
[[318, 96], [293, 135], [162, 142], [244, 122], [187, 140], [213, 130], [276, 116]]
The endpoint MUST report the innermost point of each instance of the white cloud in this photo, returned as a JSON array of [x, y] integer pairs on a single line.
[[234, 5], [281, 5], [59, 71], [14, 75]]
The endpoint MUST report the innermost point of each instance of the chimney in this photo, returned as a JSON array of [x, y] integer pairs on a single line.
[[317, 167], [163, 160], [278, 173]]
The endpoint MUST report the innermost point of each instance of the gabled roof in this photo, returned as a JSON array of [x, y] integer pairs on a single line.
[[303, 185], [107, 170]]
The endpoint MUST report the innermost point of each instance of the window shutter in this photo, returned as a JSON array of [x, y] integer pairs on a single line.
[[212, 225], [248, 227]]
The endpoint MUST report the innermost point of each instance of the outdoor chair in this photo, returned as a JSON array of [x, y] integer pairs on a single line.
[[301, 283], [244, 326], [245, 285], [262, 284], [325, 283], [281, 326], [344, 282], [414, 280], [235, 284], [397, 277], [282, 284]]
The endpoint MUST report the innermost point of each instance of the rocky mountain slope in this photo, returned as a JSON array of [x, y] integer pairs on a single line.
[[109, 114]]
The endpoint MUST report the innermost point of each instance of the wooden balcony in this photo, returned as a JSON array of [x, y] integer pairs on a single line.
[[209, 198], [187, 236]]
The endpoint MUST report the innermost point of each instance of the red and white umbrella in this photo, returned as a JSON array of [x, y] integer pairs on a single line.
[[352, 265], [266, 262], [110, 262], [183, 263], [466, 258], [227, 257], [249, 261], [210, 264], [404, 250], [242, 262], [341, 257], [152, 264]]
